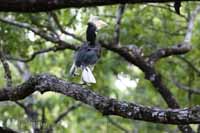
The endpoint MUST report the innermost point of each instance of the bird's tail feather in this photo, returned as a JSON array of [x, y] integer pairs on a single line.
[[72, 70], [87, 75]]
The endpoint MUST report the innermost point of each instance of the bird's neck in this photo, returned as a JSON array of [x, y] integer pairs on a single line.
[[91, 34]]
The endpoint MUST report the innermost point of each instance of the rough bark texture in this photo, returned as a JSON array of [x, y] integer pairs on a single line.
[[48, 5], [105, 105]]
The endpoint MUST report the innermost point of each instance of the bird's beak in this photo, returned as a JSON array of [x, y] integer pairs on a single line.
[[100, 24]]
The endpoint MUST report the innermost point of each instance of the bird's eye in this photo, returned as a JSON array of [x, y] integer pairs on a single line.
[[88, 49]]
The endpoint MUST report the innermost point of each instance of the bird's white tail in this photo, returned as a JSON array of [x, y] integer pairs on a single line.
[[87, 75], [72, 70]]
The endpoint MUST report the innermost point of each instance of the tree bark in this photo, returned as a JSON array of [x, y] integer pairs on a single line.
[[105, 105], [49, 5]]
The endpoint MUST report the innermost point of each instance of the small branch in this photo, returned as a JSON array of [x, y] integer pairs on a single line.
[[55, 18], [6, 67], [70, 109], [43, 121], [186, 88], [117, 125], [189, 64], [174, 33], [23, 69], [167, 8], [54, 49], [105, 105], [39, 32], [32, 115], [119, 14]]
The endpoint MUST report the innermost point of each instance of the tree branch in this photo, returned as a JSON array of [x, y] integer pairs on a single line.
[[190, 27], [7, 130], [186, 88], [117, 125], [105, 105], [55, 18], [134, 56], [167, 8], [119, 14], [190, 64], [38, 32], [180, 48], [166, 52], [62, 115], [49, 5], [51, 49], [7, 71]]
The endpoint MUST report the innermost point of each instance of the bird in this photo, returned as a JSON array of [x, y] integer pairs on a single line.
[[89, 52]]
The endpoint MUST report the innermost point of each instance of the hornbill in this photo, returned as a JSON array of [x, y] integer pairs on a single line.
[[89, 53]]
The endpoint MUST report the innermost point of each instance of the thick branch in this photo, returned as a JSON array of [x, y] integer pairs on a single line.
[[49, 5], [165, 52], [7, 130], [105, 105]]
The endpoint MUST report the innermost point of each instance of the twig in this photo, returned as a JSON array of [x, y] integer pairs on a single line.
[[43, 121], [119, 14], [186, 88], [55, 18], [6, 67], [189, 64], [62, 115], [29, 111], [65, 113], [167, 8], [175, 33], [73, 18], [23, 69], [54, 49], [117, 125], [42, 34]]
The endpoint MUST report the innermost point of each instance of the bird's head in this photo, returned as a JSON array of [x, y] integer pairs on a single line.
[[99, 24]]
